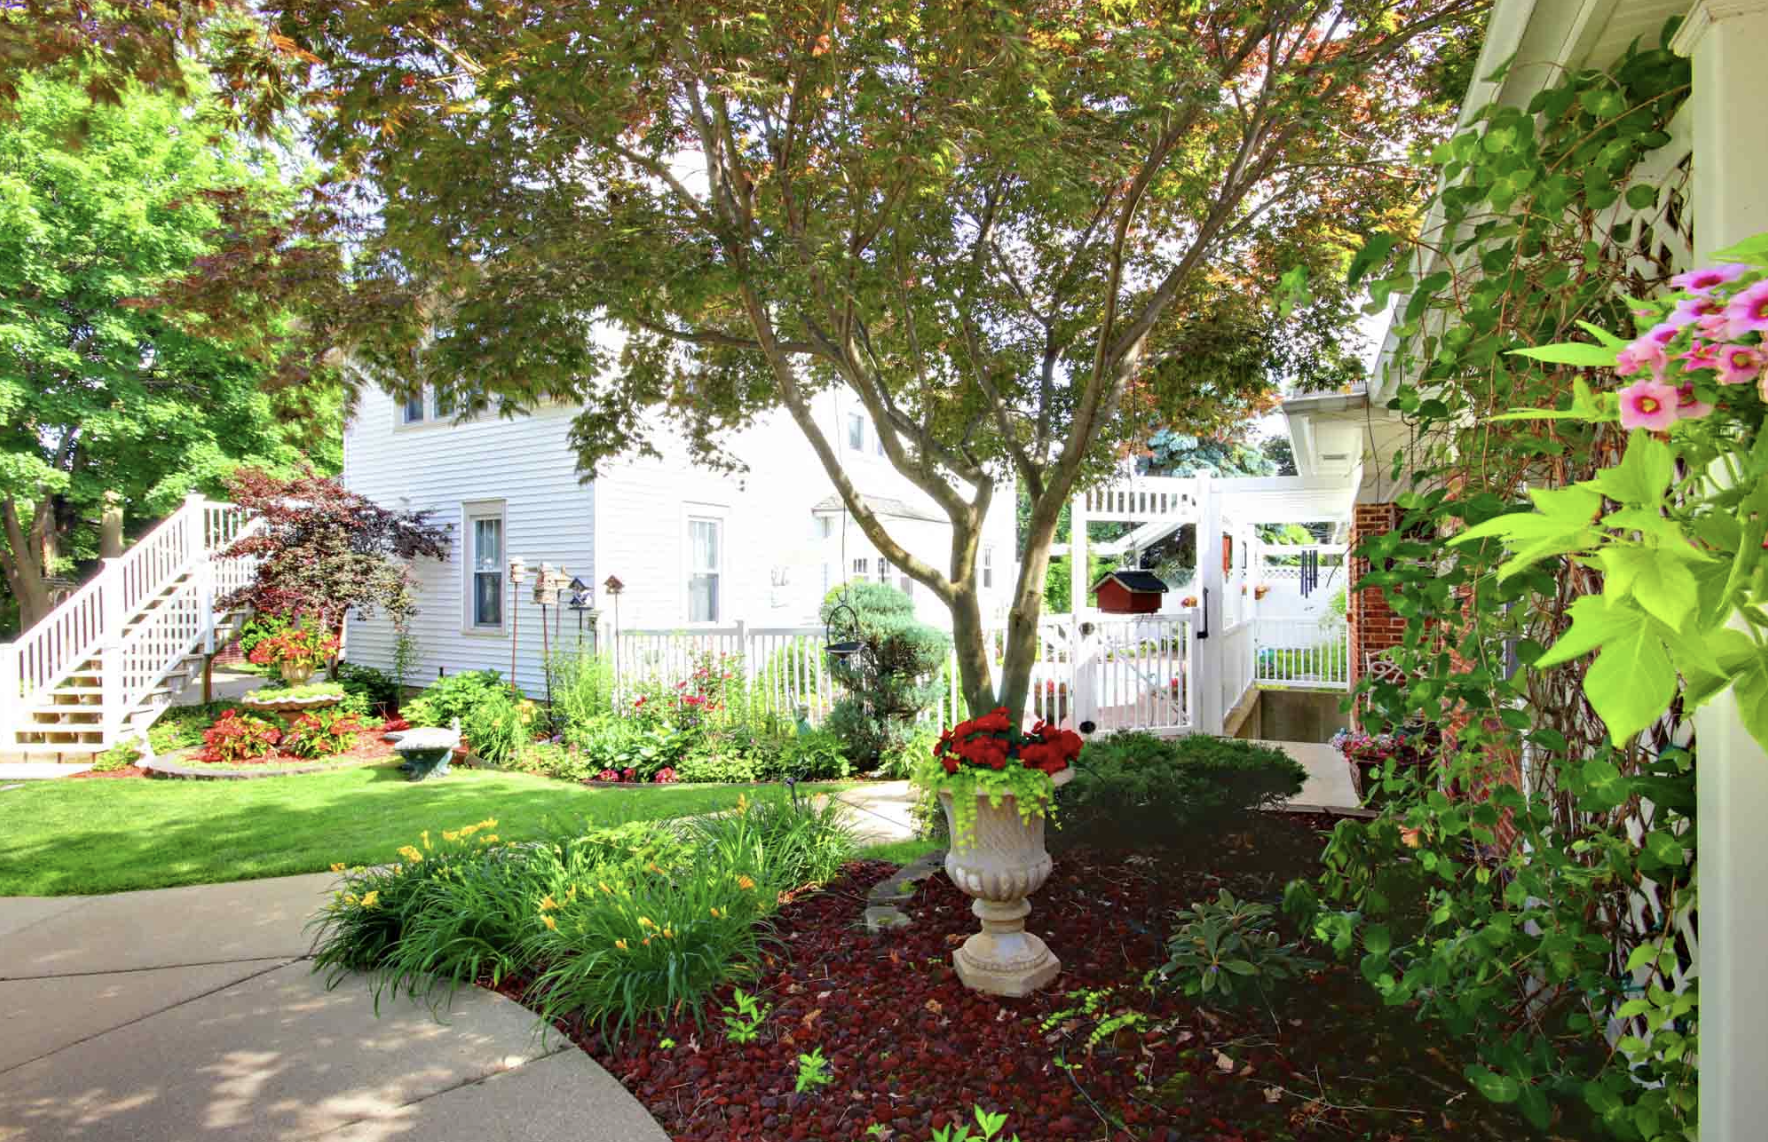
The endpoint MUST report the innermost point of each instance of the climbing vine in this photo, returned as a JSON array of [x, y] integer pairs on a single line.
[[1532, 886]]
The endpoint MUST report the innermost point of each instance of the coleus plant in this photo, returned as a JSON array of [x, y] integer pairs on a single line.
[[987, 756], [1677, 526]]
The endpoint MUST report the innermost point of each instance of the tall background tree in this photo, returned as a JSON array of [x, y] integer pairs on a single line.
[[994, 226], [100, 204]]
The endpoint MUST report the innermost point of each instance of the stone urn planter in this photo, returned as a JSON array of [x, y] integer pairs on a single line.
[[295, 674], [270, 701], [1000, 863]]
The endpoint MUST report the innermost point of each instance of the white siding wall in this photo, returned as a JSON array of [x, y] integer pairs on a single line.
[[632, 523], [527, 464]]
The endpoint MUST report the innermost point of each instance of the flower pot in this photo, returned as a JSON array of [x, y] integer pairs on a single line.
[[1000, 864], [295, 674]]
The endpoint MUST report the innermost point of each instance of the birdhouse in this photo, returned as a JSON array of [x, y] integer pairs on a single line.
[[549, 584], [1129, 593]]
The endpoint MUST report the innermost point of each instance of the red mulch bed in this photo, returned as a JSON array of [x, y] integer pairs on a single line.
[[126, 771], [369, 747], [912, 1050]]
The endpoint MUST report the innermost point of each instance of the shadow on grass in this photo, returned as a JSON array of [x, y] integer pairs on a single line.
[[81, 837]]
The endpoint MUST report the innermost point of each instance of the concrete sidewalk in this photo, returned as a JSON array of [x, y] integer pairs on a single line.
[[192, 1013]]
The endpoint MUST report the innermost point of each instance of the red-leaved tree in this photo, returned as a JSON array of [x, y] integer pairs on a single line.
[[325, 550]]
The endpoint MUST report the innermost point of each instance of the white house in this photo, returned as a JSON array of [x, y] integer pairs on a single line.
[[694, 548]]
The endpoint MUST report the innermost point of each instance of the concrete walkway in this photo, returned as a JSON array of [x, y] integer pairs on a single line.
[[192, 1013]]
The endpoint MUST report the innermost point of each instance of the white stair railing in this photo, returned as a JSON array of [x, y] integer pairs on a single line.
[[90, 625]]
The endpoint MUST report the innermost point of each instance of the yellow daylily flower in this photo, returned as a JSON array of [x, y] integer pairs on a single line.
[[744, 883], [451, 835], [426, 835], [371, 899], [547, 903], [411, 854], [338, 867], [550, 923], [604, 887], [621, 944], [668, 935], [350, 898], [716, 914], [645, 922], [571, 894]]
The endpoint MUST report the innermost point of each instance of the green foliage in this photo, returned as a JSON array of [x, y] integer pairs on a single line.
[[815, 756], [1059, 584], [495, 719], [581, 683], [275, 692], [614, 926], [377, 688], [103, 203], [1102, 1010], [988, 1125], [1227, 950], [258, 628], [744, 1016], [1510, 917], [898, 760], [1133, 789], [813, 1073]]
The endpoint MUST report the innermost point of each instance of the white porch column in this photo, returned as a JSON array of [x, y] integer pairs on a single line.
[[1728, 42], [1077, 555], [1210, 661]]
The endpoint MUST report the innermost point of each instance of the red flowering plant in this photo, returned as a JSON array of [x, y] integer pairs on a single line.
[[988, 756], [238, 737]]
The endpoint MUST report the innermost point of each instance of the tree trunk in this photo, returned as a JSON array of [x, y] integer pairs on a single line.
[[1028, 603], [970, 642], [25, 575]]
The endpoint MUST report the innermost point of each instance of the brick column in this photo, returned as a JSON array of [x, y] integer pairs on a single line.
[[1373, 625]]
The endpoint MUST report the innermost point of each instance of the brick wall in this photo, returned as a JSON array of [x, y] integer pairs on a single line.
[[1373, 626]]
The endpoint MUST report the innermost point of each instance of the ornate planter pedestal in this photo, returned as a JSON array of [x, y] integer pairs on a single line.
[[1000, 865], [295, 675]]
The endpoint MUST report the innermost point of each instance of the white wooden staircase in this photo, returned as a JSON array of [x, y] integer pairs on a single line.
[[105, 664]]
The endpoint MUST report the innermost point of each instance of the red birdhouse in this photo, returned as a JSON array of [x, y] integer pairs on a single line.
[[1129, 593]]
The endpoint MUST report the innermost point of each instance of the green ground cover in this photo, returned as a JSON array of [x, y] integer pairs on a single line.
[[78, 837]]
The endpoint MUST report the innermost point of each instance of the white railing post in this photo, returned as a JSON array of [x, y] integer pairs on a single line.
[[1211, 638], [10, 691], [110, 655]]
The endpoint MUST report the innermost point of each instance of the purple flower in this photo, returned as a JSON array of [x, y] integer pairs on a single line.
[[1747, 312], [1702, 280], [1648, 405], [1738, 364]]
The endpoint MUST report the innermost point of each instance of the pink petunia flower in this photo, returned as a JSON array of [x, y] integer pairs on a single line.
[[1702, 280], [1688, 407], [1664, 332], [1640, 355], [1739, 364], [1714, 325], [1648, 405], [1700, 355], [1747, 312], [1692, 309]]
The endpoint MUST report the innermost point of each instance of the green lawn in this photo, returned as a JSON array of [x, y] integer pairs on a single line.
[[77, 837]]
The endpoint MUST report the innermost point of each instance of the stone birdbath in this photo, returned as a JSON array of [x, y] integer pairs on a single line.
[[425, 752], [268, 701], [1000, 863]]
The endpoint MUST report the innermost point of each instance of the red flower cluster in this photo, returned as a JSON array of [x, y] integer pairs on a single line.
[[989, 743], [238, 737], [665, 776], [302, 646]]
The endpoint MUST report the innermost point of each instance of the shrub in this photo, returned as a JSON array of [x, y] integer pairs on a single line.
[[238, 737], [714, 767], [618, 743], [894, 680], [378, 689], [553, 759], [294, 646], [322, 733], [1134, 788], [814, 756], [456, 695], [898, 760]]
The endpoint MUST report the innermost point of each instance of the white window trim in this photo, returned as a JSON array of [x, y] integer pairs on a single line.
[[471, 510], [720, 514]]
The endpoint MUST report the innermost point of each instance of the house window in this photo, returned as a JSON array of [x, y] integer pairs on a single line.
[[883, 570], [705, 569], [825, 526], [861, 567], [856, 432], [444, 404], [485, 567], [414, 409], [988, 567]]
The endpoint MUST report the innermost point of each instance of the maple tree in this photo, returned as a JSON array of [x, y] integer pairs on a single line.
[[1003, 229]]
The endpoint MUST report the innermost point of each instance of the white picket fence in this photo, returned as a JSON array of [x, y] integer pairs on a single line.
[[1303, 653], [1114, 671]]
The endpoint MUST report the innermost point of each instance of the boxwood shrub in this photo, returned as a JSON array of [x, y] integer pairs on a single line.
[[1133, 789]]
